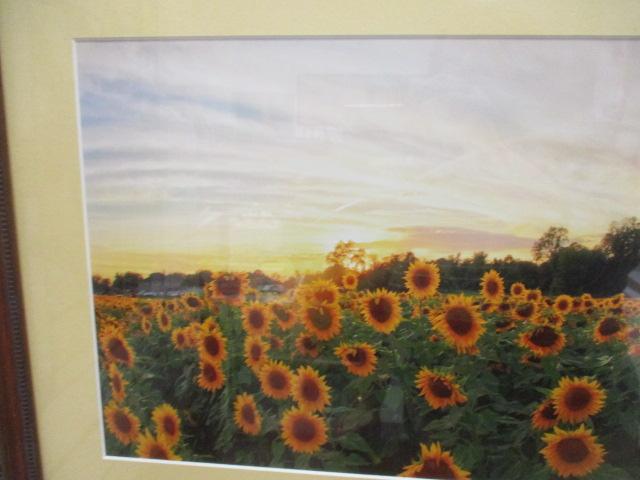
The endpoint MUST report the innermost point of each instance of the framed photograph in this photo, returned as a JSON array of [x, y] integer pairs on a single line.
[[278, 249]]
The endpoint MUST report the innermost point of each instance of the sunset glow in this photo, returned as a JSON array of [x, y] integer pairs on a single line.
[[243, 154]]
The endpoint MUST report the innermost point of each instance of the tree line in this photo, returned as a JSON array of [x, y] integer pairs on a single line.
[[558, 265]]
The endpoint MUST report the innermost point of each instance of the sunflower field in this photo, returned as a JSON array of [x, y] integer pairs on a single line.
[[502, 383]]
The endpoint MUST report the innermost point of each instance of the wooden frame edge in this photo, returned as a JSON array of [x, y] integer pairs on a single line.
[[19, 451]]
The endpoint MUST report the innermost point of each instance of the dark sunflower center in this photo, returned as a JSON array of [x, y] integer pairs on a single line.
[[277, 380], [325, 296], [147, 310], [503, 323], [171, 307], [492, 287], [228, 286], [525, 310], [435, 469], [610, 326], [563, 304], [532, 296], [247, 414], [256, 319], [572, 450], [118, 350], [193, 302], [256, 352], [211, 345], [577, 398], [308, 343], [158, 452], [544, 337], [320, 318], [164, 319], [380, 309], [517, 290], [310, 390], [577, 303], [210, 373], [421, 278], [504, 307], [180, 338], [440, 387], [459, 320], [281, 313], [169, 425], [357, 358], [304, 429], [122, 422], [549, 412]]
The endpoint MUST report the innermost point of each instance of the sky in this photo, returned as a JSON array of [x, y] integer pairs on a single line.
[[245, 154]]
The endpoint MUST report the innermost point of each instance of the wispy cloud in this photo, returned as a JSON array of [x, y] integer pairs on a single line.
[[290, 146]]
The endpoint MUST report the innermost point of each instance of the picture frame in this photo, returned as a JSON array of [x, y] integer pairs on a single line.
[[42, 131]]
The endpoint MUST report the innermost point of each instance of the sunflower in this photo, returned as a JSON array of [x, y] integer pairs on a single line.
[[255, 353], [543, 340], [256, 319], [192, 302], [146, 309], [275, 342], [544, 417], [145, 325], [534, 295], [320, 292], [359, 358], [164, 321], [492, 287], [170, 306], [524, 311], [167, 423], [439, 390], [517, 289], [123, 424], [211, 376], [303, 431], [422, 279], [349, 281], [276, 379], [307, 345], [285, 317], [572, 453], [577, 305], [419, 311], [118, 383], [616, 300], [213, 346], [322, 321], [530, 359], [156, 448], [381, 310], [609, 328], [115, 347], [179, 338], [246, 414], [504, 307], [576, 399], [228, 287], [309, 389], [504, 325], [434, 463], [459, 322]]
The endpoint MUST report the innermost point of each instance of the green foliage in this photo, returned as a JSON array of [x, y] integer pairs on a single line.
[[376, 423]]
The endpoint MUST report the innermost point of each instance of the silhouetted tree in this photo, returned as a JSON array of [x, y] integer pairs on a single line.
[[549, 243]]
